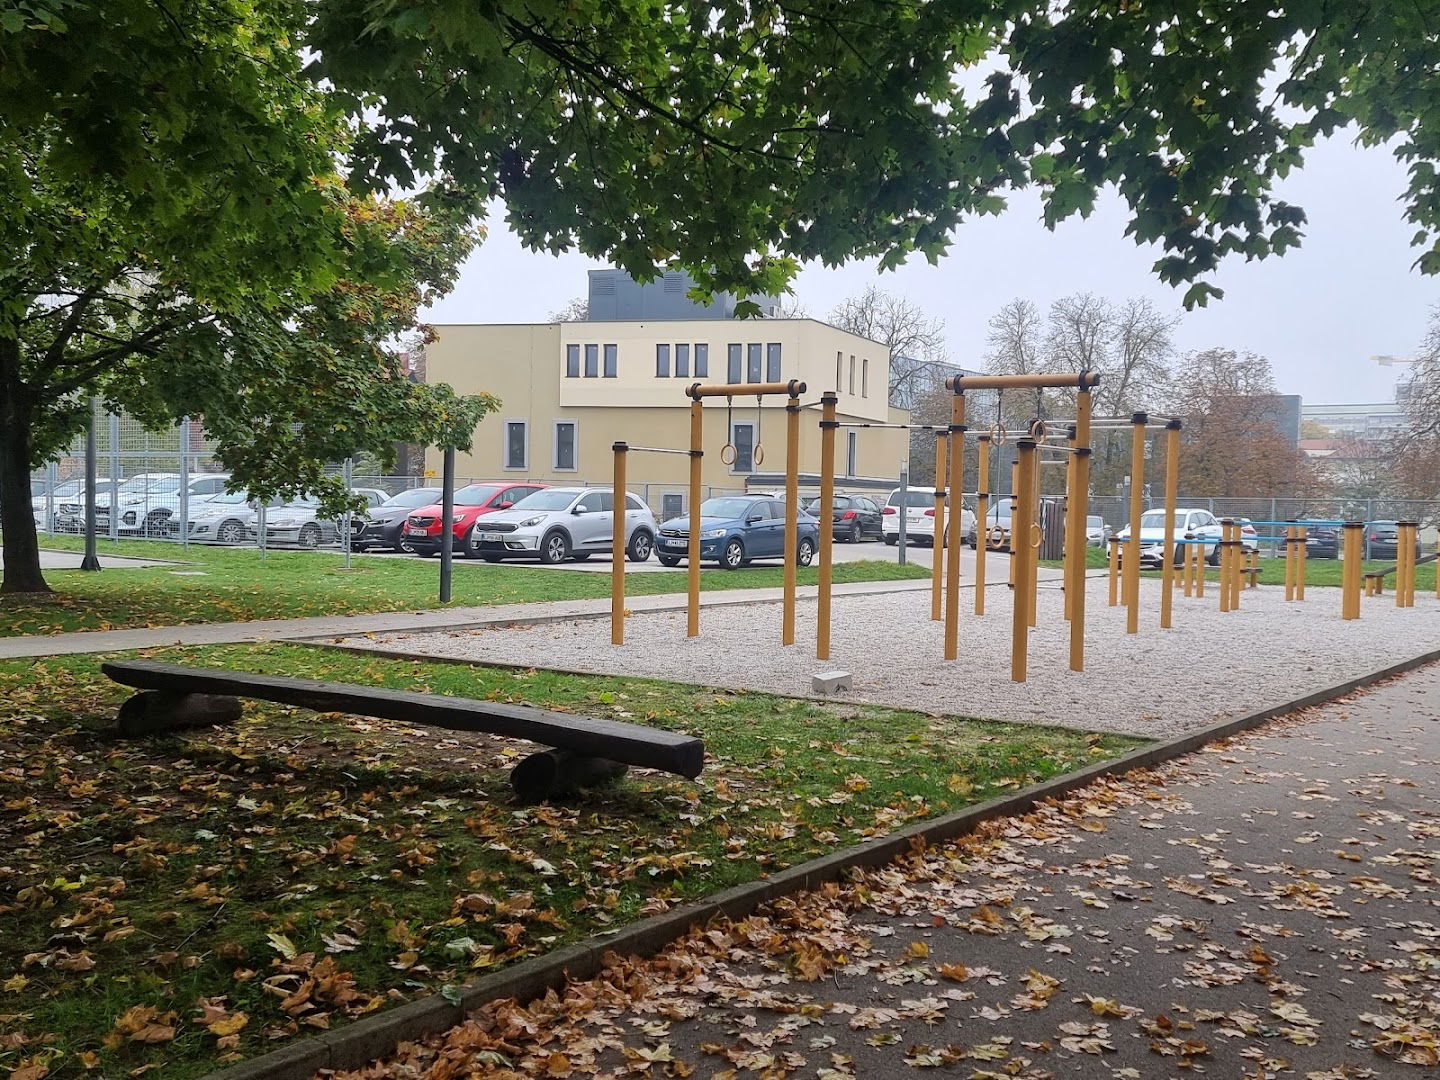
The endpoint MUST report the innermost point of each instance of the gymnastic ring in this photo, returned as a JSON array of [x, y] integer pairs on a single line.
[[759, 453], [995, 537], [1038, 533], [997, 434], [1038, 429], [728, 453]]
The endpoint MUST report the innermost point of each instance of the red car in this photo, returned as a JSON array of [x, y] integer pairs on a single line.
[[422, 527]]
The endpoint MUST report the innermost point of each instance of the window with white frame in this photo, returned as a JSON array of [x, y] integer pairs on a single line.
[[672, 505], [852, 452], [564, 449], [662, 361], [592, 361], [736, 372], [839, 366], [865, 378], [742, 437], [772, 362], [517, 444], [572, 361], [752, 362], [702, 360], [852, 373], [612, 361], [682, 361]]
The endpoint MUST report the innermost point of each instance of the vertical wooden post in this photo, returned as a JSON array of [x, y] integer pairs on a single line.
[[1405, 563], [937, 548], [792, 514], [1226, 558], [617, 548], [1022, 554], [1132, 555], [955, 480], [697, 454], [1114, 570], [1032, 569], [828, 426], [1301, 555], [1200, 567], [1291, 559], [982, 513], [1067, 557], [1078, 503], [1014, 502], [1351, 574], [1172, 485]]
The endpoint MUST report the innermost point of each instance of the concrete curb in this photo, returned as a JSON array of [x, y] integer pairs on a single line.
[[356, 1044]]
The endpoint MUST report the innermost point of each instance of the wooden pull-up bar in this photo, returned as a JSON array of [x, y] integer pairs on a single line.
[[1081, 380], [793, 388]]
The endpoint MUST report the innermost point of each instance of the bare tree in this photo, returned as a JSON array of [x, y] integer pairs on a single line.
[[1080, 333], [791, 308], [577, 310], [916, 340]]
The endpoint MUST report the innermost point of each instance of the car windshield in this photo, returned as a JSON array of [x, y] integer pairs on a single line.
[[475, 494], [414, 497], [842, 502], [727, 508], [1153, 520], [231, 498], [138, 485], [1094, 522], [164, 485], [549, 499], [70, 487], [913, 497]]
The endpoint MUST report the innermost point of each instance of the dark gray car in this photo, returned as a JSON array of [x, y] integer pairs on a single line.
[[382, 526]]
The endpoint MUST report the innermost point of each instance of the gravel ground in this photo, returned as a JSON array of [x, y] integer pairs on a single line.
[[1156, 683]]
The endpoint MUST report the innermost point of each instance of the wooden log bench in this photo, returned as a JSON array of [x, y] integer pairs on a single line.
[[1375, 579], [584, 751]]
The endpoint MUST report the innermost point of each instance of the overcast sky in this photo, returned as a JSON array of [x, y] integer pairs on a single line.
[[1319, 313]]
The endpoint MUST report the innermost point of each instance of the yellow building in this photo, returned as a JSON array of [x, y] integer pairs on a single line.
[[570, 390]]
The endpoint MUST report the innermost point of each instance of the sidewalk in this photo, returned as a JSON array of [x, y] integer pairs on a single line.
[[457, 618], [1266, 907]]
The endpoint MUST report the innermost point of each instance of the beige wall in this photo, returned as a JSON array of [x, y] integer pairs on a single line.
[[524, 365]]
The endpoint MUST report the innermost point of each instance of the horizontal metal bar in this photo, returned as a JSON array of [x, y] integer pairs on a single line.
[[900, 427], [657, 450]]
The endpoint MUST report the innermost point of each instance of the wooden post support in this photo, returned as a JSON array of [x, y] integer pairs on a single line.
[[1078, 503], [828, 426], [167, 710], [1023, 554], [1225, 565], [1115, 542], [1351, 573], [1172, 485], [1132, 555], [1014, 501], [1291, 559], [550, 774], [792, 515], [937, 549], [1301, 556], [1200, 567], [1036, 537], [982, 515], [955, 481], [692, 583], [617, 548]]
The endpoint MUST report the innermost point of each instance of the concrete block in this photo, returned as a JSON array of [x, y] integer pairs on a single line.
[[830, 682]]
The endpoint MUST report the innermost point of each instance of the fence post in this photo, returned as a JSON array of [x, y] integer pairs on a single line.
[[52, 477], [114, 476], [447, 532], [91, 561], [905, 502], [185, 484], [346, 470]]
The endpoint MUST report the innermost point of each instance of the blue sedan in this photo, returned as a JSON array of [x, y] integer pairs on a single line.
[[736, 529]]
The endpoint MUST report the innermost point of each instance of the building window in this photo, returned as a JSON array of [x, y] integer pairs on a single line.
[[839, 364], [702, 361], [864, 378], [682, 361], [662, 361], [517, 444], [753, 363], [742, 437], [772, 362], [612, 362], [852, 373], [592, 361], [572, 361], [672, 505], [564, 458], [736, 371], [852, 439]]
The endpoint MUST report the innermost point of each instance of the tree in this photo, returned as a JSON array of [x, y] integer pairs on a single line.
[[577, 310], [916, 340]]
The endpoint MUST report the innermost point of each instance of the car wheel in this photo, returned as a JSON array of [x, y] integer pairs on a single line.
[[641, 544], [405, 547], [309, 536], [892, 540], [554, 548], [230, 532], [805, 552], [974, 543], [734, 555], [155, 524], [854, 536], [668, 560]]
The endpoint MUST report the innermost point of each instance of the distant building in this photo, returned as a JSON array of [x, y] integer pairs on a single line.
[[615, 296], [1283, 410], [1375, 422]]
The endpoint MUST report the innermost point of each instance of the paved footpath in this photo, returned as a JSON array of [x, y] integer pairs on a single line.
[[1264, 908], [455, 618]]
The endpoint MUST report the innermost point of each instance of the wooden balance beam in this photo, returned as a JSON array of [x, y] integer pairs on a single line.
[[585, 750]]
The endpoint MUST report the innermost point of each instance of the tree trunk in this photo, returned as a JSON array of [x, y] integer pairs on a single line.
[[17, 521]]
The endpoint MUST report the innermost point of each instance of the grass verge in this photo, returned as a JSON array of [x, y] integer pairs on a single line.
[[177, 903], [234, 584], [1321, 573]]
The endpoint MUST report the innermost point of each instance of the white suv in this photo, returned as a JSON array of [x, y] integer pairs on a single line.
[[919, 513], [556, 524], [1198, 522]]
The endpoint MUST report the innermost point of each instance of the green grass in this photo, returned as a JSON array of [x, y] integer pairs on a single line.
[[1322, 573], [365, 863], [237, 585]]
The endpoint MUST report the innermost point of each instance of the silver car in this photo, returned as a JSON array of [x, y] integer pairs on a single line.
[[563, 523]]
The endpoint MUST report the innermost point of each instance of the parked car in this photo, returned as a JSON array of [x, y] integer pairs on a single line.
[[555, 524], [47, 506], [384, 524], [919, 512], [1382, 538], [1198, 522], [1321, 541], [472, 502], [227, 518], [144, 503], [997, 526], [296, 522], [1097, 533], [855, 517], [737, 529]]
